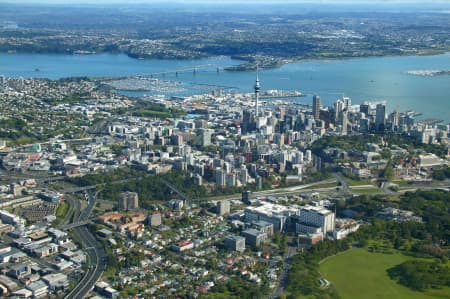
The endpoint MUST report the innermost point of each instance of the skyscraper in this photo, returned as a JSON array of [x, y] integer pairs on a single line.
[[316, 107], [339, 106], [248, 122], [223, 207], [343, 119], [365, 108], [347, 102], [380, 118]]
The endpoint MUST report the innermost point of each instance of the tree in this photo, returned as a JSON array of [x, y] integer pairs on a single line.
[[388, 172]]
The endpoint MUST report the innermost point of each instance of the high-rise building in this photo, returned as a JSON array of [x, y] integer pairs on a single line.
[[128, 201], [380, 117], [347, 102], [223, 207], [364, 125], [339, 106], [246, 196], [230, 179], [343, 121], [365, 108], [394, 121], [248, 122], [316, 107], [220, 176], [313, 219], [205, 136], [244, 175]]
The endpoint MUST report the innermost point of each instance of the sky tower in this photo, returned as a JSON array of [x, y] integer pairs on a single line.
[[257, 89]]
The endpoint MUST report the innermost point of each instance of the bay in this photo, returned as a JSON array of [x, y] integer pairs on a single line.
[[362, 79]]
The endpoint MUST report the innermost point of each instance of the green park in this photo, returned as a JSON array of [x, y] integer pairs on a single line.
[[358, 273]]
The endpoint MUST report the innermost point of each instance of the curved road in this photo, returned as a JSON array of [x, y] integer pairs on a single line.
[[95, 250], [98, 261]]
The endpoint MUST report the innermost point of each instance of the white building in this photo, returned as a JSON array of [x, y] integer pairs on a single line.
[[272, 213], [429, 160], [312, 218], [223, 207]]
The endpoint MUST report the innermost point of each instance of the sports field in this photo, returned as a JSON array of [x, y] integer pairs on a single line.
[[359, 274]]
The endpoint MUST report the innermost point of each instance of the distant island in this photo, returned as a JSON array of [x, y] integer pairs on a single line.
[[428, 73]]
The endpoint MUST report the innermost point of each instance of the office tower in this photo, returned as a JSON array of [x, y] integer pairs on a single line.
[[316, 107], [244, 175], [347, 102], [380, 117], [311, 218], [230, 180], [339, 106], [246, 196], [364, 125], [205, 136], [223, 207], [220, 177], [248, 122], [394, 121], [364, 108], [343, 121], [282, 110]]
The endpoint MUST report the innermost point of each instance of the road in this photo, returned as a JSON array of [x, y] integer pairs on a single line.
[[283, 279], [273, 192], [93, 187], [98, 262], [97, 255]]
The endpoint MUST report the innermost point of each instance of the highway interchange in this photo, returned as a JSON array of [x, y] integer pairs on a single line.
[[97, 255]]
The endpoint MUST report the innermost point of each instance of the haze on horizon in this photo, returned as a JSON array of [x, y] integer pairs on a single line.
[[208, 2]]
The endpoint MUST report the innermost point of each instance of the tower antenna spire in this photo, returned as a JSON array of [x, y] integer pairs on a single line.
[[257, 89]]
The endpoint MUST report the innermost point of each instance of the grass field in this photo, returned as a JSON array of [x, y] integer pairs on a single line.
[[359, 274], [62, 209], [354, 182]]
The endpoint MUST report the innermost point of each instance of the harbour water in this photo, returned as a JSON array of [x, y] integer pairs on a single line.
[[362, 79]]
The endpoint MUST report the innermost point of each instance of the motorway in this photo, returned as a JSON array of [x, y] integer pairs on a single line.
[[98, 261], [97, 255]]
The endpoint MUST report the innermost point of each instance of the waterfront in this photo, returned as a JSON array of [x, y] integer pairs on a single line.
[[362, 79]]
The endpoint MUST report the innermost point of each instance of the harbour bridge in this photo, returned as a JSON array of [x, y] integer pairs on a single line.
[[192, 69]]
